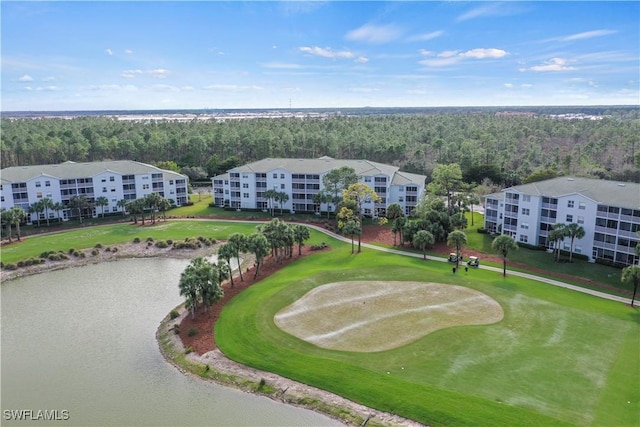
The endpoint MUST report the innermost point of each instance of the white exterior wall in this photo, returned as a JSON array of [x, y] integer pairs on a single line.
[[582, 246], [528, 219], [103, 186], [141, 181]]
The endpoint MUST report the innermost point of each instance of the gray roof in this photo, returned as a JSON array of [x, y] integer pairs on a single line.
[[612, 193], [69, 170], [325, 164]]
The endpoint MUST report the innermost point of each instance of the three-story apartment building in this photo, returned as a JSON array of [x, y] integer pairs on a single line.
[[115, 180], [243, 187], [608, 211]]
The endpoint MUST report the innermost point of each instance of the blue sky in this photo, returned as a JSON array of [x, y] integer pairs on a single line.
[[164, 55]]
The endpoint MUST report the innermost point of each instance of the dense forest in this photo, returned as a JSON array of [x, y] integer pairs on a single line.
[[505, 148]]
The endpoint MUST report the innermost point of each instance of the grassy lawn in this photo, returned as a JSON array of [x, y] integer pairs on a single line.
[[558, 357]]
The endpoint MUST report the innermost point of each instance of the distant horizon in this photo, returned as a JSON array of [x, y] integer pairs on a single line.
[[292, 109], [152, 55]]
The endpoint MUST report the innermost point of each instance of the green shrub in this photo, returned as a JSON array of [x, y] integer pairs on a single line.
[[149, 239], [82, 254], [161, 244], [173, 314], [10, 266], [21, 263], [71, 251], [108, 249], [201, 238], [483, 230], [192, 332], [98, 246], [46, 254], [176, 329], [318, 246], [136, 240], [94, 252], [188, 350], [169, 242], [114, 250]]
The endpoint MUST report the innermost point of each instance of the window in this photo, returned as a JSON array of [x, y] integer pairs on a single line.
[[49, 195], [524, 225], [582, 205], [526, 198], [526, 211], [523, 238], [244, 176], [145, 186], [245, 195], [112, 178], [245, 185], [275, 175], [401, 189], [39, 195], [104, 189], [282, 186], [105, 179], [569, 218], [570, 203], [367, 179], [281, 176], [37, 184]]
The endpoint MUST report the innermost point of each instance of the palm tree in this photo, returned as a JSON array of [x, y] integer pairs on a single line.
[[397, 228], [422, 240], [164, 206], [394, 211], [556, 235], [282, 198], [300, 234], [259, 245], [351, 228], [7, 220], [238, 243], [102, 202], [58, 207], [122, 204], [503, 244], [574, 231], [80, 203], [270, 195], [152, 201], [47, 203], [17, 217], [458, 239], [226, 252], [631, 275], [36, 208]]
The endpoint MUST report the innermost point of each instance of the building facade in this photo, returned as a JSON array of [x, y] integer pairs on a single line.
[[243, 187], [115, 180], [608, 211]]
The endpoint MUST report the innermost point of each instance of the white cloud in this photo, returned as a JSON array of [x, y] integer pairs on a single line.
[[508, 85], [554, 64], [109, 52], [588, 35], [363, 89], [484, 53], [425, 52], [450, 57], [375, 33], [362, 59], [426, 36], [232, 88], [489, 9], [158, 73], [25, 78], [49, 79], [327, 52], [128, 51], [49, 88]]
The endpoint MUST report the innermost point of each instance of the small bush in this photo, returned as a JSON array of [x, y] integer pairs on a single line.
[[71, 251], [76, 254], [201, 238], [94, 252], [108, 249], [114, 250], [10, 266], [192, 332], [318, 246], [173, 314], [176, 329], [188, 350], [46, 254], [98, 246], [169, 242], [21, 263], [161, 244], [136, 240], [82, 255], [149, 239], [483, 230]]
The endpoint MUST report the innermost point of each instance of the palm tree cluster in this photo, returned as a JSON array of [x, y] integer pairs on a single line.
[[152, 203], [200, 283], [560, 231], [274, 196], [12, 217]]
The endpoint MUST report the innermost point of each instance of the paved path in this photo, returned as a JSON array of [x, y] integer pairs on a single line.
[[485, 267]]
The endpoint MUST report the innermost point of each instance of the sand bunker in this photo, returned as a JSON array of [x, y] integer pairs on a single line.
[[375, 315]]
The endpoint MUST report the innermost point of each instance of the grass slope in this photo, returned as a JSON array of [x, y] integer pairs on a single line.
[[551, 361]]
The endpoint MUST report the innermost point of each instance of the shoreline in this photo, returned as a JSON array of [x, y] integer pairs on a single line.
[[213, 365]]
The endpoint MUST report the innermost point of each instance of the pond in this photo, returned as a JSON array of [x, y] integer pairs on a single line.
[[80, 344]]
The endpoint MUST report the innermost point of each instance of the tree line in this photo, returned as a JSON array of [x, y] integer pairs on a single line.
[[201, 282], [503, 148]]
